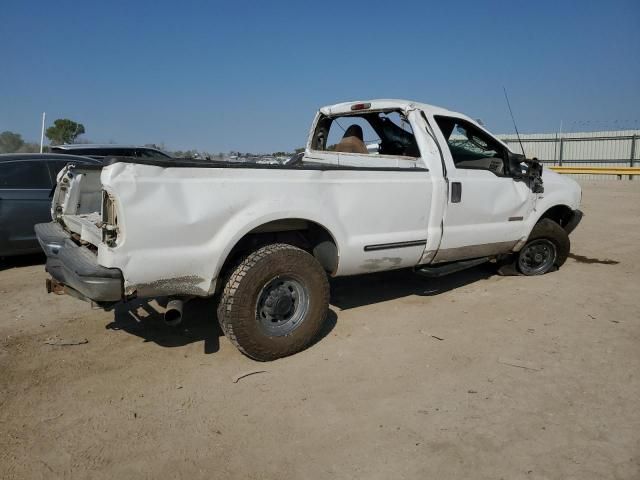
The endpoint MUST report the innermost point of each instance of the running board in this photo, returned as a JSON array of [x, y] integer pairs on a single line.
[[435, 271]]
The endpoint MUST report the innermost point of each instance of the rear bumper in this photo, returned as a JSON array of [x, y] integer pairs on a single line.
[[76, 267], [573, 221]]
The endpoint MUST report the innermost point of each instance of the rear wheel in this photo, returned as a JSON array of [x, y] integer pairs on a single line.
[[274, 302]]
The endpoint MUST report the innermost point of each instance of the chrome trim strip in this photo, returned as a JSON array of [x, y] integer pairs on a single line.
[[388, 246]]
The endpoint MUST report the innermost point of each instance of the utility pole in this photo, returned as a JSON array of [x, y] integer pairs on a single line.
[[42, 131]]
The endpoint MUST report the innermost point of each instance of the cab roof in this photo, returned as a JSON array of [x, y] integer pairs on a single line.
[[387, 104]]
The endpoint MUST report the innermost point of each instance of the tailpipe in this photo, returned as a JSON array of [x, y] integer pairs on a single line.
[[173, 312]]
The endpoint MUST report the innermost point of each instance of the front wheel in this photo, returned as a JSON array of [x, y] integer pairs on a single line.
[[274, 302], [546, 249]]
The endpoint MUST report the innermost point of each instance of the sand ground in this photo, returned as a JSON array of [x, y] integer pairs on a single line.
[[471, 376]]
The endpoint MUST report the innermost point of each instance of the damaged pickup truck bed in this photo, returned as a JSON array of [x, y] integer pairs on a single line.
[[381, 185]]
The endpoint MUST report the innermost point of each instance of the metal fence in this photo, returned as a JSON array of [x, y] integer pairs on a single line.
[[606, 149]]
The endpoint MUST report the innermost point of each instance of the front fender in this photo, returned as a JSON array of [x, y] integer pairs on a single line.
[[559, 190]]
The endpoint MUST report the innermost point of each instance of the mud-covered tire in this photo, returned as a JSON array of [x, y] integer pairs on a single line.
[[545, 233], [240, 313]]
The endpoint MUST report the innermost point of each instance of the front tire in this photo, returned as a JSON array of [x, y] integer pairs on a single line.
[[546, 249], [274, 302]]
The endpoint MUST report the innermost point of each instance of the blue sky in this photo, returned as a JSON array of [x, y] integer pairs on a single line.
[[249, 76]]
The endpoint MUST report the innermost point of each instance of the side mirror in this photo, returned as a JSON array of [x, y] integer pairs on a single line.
[[514, 161], [535, 175], [529, 170]]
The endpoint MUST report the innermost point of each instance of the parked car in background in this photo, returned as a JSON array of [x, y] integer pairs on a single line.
[[26, 186], [100, 151]]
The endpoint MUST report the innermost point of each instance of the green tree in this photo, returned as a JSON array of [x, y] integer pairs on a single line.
[[64, 131], [10, 142]]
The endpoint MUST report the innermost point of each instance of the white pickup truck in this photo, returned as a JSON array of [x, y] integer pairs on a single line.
[[381, 185]]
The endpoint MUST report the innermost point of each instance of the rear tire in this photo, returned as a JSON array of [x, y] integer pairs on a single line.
[[274, 302]]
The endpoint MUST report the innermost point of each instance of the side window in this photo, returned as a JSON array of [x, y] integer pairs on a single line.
[[26, 174], [470, 147], [115, 152], [147, 153], [124, 152], [104, 152]]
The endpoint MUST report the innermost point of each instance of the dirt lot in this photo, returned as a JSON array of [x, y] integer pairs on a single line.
[[472, 376]]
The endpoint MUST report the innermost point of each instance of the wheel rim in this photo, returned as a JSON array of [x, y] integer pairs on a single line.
[[537, 257], [282, 305]]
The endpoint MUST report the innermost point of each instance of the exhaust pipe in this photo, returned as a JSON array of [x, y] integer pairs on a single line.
[[54, 286], [173, 313]]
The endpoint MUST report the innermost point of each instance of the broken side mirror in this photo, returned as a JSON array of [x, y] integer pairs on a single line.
[[514, 163], [534, 173], [529, 170]]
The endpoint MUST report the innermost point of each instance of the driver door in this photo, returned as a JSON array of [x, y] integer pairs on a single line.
[[487, 209]]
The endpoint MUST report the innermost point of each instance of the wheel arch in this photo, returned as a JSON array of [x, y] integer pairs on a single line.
[[310, 235], [560, 213]]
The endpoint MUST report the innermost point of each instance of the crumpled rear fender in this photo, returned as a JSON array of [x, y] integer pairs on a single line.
[[172, 239]]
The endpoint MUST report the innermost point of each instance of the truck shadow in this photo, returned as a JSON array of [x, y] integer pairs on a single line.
[[352, 292], [144, 318]]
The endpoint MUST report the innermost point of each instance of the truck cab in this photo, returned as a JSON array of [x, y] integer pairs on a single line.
[[481, 198]]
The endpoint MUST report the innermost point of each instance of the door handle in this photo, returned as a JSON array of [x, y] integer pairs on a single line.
[[456, 192]]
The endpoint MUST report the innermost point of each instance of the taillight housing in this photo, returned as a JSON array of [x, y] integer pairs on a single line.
[[109, 220]]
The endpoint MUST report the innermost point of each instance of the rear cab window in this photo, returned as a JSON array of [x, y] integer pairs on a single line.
[[374, 138]]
